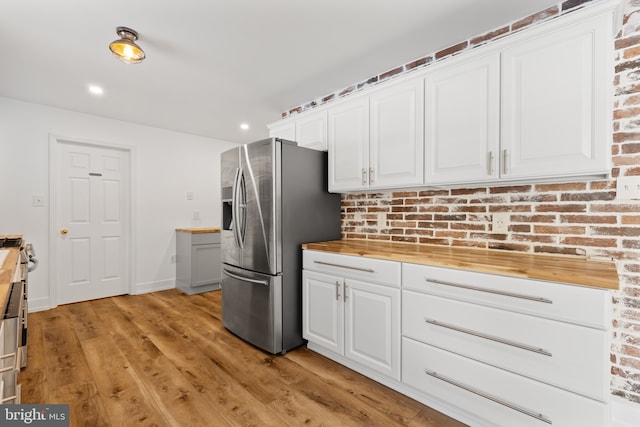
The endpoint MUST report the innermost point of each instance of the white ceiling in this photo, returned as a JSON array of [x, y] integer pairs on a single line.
[[212, 64]]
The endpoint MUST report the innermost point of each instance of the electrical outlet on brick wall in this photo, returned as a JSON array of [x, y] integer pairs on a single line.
[[500, 222], [628, 188]]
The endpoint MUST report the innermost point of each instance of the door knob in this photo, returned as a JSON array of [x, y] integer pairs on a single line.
[[64, 230]]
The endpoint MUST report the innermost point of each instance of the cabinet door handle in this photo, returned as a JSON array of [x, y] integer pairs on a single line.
[[364, 176], [491, 291], [534, 414], [346, 288], [489, 337], [337, 290], [490, 163], [505, 160], [366, 270], [372, 175]]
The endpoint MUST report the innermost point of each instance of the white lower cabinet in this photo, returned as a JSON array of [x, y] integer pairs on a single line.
[[508, 350], [483, 348], [323, 310], [495, 396], [198, 266], [554, 352], [357, 319], [372, 327]]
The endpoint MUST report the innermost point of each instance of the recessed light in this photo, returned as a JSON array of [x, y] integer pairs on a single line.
[[244, 126], [95, 90]]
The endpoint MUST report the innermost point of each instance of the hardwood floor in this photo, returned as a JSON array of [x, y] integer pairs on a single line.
[[164, 359]]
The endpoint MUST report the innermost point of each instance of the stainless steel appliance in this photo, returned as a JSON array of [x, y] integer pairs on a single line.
[[17, 303], [274, 198], [13, 325]]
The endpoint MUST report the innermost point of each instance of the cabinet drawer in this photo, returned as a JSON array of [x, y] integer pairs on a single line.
[[495, 395], [565, 355], [10, 393], [567, 303], [359, 268], [205, 238]]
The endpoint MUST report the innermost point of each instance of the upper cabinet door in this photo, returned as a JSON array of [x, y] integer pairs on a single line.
[[462, 120], [285, 130], [348, 144], [311, 131], [396, 144], [555, 102]]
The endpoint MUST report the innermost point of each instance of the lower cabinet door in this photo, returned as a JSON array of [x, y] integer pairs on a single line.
[[495, 395], [323, 310], [372, 326], [205, 266]]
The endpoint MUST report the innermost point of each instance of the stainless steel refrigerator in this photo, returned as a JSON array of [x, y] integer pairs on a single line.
[[274, 198]]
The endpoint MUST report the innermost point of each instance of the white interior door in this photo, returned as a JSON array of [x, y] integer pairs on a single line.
[[92, 212]]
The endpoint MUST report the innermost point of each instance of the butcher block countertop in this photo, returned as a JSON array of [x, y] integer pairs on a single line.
[[198, 230], [563, 269], [7, 269]]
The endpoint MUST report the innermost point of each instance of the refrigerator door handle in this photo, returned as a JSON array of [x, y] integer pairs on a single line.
[[236, 208], [245, 279], [242, 208]]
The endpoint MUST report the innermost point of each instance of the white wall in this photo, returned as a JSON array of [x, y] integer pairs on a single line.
[[167, 165]]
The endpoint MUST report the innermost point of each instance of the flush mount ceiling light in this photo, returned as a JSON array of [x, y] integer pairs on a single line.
[[125, 48]]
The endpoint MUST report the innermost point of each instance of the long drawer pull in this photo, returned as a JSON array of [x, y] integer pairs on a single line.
[[513, 406], [490, 337], [367, 270], [491, 291]]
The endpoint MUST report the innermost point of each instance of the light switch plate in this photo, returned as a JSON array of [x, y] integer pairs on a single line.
[[628, 188]]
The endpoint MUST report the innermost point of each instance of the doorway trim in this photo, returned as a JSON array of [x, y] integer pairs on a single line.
[[54, 141]]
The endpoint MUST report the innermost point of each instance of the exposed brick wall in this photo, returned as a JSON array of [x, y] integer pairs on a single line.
[[570, 218], [625, 355], [576, 219]]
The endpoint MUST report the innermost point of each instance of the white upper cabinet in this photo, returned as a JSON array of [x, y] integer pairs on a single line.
[[396, 136], [377, 141], [534, 105], [538, 107], [348, 145], [284, 130], [462, 117], [555, 102], [311, 131]]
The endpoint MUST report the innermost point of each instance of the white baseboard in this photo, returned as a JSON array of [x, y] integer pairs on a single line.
[[42, 304], [39, 304], [161, 285], [624, 413]]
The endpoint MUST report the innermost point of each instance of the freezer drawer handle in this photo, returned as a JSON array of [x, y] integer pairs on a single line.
[[367, 270], [491, 291], [245, 279], [513, 406], [489, 337]]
